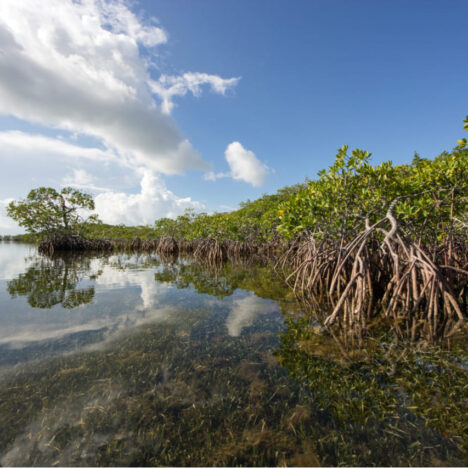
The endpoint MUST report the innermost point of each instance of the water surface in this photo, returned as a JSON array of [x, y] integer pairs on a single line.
[[127, 360]]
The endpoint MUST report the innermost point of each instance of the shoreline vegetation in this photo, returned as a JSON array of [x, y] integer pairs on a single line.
[[361, 241]]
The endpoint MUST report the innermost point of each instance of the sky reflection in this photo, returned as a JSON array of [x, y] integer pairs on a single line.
[[71, 304]]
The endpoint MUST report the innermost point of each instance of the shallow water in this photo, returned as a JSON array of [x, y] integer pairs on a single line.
[[125, 360]]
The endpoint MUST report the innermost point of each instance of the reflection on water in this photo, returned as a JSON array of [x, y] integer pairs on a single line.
[[48, 282], [122, 360], [109, 295]]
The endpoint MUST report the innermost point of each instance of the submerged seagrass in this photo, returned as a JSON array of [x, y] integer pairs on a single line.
[[135, 361]]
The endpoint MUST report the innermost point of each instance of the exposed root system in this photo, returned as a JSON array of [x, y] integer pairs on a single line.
[[73, 243], [206, 250], [378, 271]]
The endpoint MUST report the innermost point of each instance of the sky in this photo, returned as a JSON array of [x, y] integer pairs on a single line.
[[156, 106]]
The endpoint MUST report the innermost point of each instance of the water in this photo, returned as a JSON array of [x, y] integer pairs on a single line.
[[125, 360]]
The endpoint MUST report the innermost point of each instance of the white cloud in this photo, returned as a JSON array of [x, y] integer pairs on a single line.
[[82, 180], [244, 166], [79, 177], [169, 86], [215, 176], [154, 201], [77, 65], [21, 143]]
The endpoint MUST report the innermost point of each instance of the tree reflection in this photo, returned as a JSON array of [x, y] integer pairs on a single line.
[[223, 280], [203, 279], [51, 281]]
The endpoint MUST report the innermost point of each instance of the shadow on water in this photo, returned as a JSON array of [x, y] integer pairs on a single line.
[[237, 373]]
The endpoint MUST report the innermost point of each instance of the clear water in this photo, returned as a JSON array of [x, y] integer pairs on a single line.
[[125, 360]]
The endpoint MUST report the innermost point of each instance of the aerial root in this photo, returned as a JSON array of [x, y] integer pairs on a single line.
[[364, 277]]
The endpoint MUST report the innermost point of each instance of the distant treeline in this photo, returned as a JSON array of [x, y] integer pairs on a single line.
[[253, 221], [19, 238]]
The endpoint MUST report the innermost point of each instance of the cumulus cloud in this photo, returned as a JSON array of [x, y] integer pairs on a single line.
[[169, 86], [154, 201], [244, 166], [77, 65], [216, 175]]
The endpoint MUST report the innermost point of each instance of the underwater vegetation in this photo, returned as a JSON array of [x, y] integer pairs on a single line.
[[184, 395], [193, 389]]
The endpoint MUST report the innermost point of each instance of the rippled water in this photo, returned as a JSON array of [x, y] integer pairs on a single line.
[[126, 360]]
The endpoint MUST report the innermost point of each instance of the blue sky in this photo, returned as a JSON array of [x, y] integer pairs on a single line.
[[277, 87]]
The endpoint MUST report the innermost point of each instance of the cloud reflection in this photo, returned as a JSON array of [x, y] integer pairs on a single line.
[[44, 317], [244, 311], [122, 298]]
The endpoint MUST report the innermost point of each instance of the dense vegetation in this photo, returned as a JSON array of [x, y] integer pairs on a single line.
[[255, 221], [431, 206], [430, 197], [360, 240]]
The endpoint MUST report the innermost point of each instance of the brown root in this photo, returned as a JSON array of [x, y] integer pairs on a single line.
[[364, 277]]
